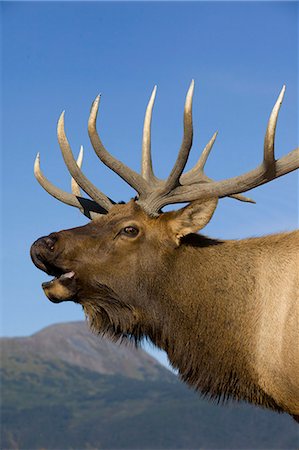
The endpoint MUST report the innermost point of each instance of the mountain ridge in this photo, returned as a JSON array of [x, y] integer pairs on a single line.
[[74, 343], [57, 396]]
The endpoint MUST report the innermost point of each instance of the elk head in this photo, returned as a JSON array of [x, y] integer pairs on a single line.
[[121, 259]]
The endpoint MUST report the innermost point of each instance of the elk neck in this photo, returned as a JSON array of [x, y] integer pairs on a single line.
[[207, 315]]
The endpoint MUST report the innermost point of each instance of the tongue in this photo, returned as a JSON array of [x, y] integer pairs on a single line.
[[68, 275]]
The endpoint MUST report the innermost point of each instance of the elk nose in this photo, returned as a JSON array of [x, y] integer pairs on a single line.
[[41, 248]]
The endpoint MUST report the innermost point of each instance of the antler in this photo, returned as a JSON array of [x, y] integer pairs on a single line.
[[196, 175], [154, 193], [173, 179], [147, 165], [88, 207], [195, 185], [132, 178]]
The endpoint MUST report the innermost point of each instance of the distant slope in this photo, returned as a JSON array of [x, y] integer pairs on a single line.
[[73, 343], [64, 388]]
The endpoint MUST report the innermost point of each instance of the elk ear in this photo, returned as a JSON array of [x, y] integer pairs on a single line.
[[192, 218]]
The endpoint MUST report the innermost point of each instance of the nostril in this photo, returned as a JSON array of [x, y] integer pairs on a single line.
[[47, 241], [50, 241]]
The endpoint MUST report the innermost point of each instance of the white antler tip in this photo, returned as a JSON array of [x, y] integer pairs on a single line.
[[282, 92], [60, 125], [36, 163], [37, 159], [80, 157], [153, 96], [61, 118], [189, 96], [191, 87], [95, 107]]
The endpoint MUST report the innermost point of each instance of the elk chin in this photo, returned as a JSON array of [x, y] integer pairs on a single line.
[[61, 289]]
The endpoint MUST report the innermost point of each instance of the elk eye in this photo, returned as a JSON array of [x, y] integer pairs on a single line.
[[130, 231]]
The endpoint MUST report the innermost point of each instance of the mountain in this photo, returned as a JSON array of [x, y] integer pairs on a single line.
[[65, 388], [74, 344]]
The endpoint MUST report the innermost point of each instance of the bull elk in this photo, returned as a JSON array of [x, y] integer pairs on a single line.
[[225, 312]]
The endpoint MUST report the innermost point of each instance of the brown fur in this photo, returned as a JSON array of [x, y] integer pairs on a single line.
[[226, 312]]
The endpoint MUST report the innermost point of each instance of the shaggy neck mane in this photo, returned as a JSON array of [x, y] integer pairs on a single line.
[[203, 362], [108, 316], [201, 336]]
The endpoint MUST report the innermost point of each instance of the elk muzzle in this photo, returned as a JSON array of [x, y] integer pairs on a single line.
[[44, 253]]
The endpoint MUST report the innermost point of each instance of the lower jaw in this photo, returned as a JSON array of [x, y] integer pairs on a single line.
[[61, 289]]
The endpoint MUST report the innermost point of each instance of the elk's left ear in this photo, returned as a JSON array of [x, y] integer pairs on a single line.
[[192, 218]]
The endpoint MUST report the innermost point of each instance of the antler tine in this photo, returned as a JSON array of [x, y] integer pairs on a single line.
[[146, 165], [269, 158], [75, 171], [74, 185], [133, 178], [59, 194], [205, 153], [196, 174], [89, 208], [192, 174], [173, 179]]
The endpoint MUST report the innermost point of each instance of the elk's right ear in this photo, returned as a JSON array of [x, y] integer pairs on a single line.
[[192, 218]]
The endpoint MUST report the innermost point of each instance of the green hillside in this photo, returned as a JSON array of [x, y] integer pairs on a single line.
[[129, 403]]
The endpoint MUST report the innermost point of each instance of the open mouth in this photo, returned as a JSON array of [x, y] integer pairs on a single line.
[[63, 287], [63, 276]]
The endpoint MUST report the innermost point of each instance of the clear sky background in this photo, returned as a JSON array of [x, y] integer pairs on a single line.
[[59, 56]]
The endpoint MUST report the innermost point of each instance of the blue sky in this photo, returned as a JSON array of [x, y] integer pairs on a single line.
[[58, 56]]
